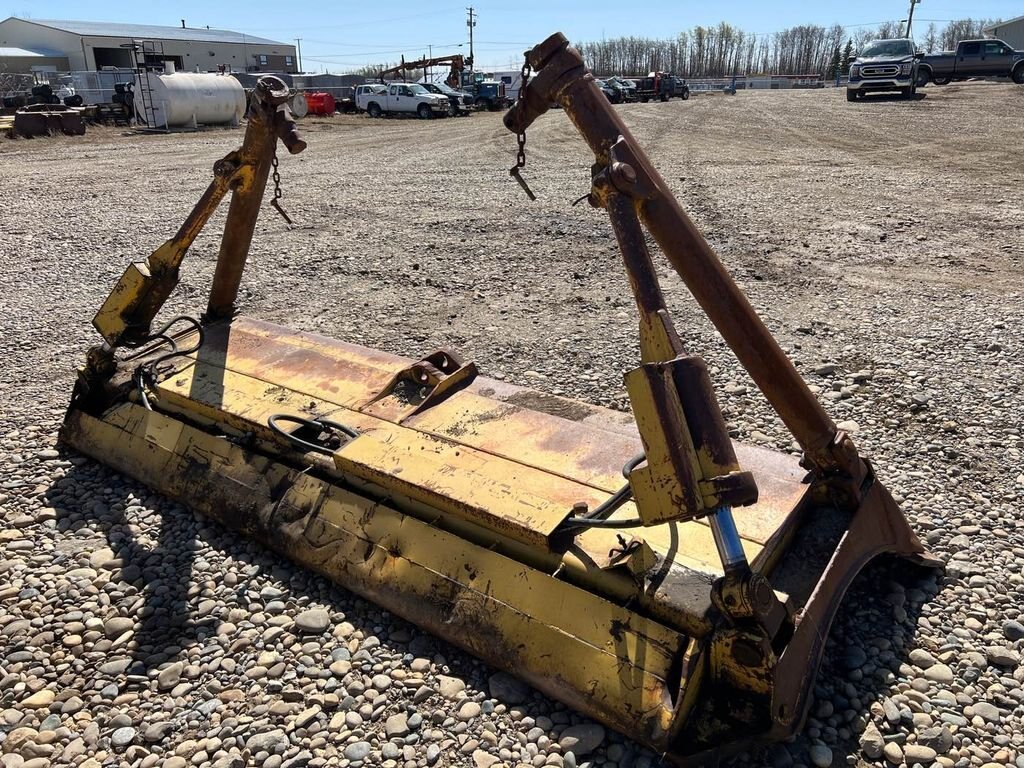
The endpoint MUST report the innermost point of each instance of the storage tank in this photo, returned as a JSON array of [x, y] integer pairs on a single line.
[[320, 103], [298, 104], [186, 98]]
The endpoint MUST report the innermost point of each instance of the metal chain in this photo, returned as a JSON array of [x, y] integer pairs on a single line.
[[521, 135], [277, 187]]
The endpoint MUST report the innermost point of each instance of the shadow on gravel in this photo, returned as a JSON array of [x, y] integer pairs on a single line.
[[889, 97], [91, 497], [871, 638]]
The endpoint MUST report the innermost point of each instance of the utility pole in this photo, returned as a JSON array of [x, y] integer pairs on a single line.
[[430, 70], [910, 16], [471, 22], [298, 51]]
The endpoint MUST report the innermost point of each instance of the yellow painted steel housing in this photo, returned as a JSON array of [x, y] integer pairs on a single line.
[[466, 505]]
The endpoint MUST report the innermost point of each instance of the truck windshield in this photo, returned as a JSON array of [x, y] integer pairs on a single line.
[[418, 89], [887, 48]]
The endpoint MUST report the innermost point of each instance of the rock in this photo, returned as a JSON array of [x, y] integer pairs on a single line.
[[1002, 657], [508, 689], [397, 726], [938, 738], [122, 737], [871, 742], [483, 759], [921, 658], [450, 687], [1013, 630], [117, 626], [314, 621], [18, 738], [358, 750], [820, 755], [854, 657], [939, 673], [170, 676], [268, 741], [893, 753], [918, 753], [986, 711], [581, 739], [468, 710], [39, 700]]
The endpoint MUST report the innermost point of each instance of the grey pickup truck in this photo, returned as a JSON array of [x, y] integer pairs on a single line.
[[972, 58]]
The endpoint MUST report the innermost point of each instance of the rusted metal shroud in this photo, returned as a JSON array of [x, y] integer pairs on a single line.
[[452, 500]]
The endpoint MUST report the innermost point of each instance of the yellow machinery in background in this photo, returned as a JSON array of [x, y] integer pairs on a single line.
[[647, 572]]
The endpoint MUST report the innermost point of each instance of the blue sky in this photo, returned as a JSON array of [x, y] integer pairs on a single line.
[[346, 35]]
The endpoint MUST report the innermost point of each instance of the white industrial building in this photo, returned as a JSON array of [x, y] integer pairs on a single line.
[[93, 45], [1010, 32]]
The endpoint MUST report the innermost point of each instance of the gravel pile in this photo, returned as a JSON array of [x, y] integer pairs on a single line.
[[134, 633]]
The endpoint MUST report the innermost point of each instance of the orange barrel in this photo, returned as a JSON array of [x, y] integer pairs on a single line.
[[320, 103]]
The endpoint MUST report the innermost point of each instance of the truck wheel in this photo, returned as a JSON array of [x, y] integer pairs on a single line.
[[1018, 74], [686, 95], [923, 76], [423, 110], [907, 93], [941, 80], [374, 110], [486, 104], [851, 95]]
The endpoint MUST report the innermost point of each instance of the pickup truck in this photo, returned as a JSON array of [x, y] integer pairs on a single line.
[[460, 100], [884, 65], [973, 58], [660, 85], [400, 98]]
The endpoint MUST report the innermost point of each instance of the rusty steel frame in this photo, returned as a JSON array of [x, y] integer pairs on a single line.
[[753, 633]]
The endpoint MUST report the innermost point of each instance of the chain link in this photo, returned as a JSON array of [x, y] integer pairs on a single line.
[[521, 135], [275, 202]]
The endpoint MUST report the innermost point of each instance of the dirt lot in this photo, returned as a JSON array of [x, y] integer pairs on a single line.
[[882, 242]]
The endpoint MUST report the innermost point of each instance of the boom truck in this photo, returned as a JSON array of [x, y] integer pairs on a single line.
[[654, 574]]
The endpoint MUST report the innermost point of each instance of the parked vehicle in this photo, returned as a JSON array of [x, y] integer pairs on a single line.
[[488, 93], [459, 101], [403, 98], [613, 94], [660, 85], [884, 66], [362, 94], [972, 58], [626, 87]]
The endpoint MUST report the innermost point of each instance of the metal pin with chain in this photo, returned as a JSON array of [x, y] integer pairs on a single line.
[[277, 190], [514, 171]]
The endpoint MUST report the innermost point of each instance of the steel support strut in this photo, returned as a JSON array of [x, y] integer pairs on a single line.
[[269, 119], [562, 78]]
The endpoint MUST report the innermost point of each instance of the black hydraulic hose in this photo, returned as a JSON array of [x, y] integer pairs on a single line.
[[595, 518], [322, 425]]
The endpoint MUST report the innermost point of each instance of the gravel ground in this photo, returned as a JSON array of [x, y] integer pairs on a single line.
[[881, 241]]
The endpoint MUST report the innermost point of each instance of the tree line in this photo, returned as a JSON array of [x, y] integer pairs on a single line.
[[724, 50]]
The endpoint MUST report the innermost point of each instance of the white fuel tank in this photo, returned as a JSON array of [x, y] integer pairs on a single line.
[[186, 98]]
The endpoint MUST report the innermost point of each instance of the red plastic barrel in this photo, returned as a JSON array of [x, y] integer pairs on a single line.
[[320, 103]]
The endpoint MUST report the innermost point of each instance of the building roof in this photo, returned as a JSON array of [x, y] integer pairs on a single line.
[[147, 31], [998, 24], [38, 53]]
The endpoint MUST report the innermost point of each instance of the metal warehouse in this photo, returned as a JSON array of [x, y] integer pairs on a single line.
[[93, 45], [1010, 32]]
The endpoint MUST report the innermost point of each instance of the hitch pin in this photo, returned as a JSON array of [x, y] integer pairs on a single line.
[[514, 173], [280, 210]]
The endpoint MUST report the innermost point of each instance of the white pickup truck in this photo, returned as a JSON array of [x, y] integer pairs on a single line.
[[401, 98]]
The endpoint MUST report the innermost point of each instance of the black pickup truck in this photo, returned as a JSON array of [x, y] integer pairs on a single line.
[[972, 58]]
